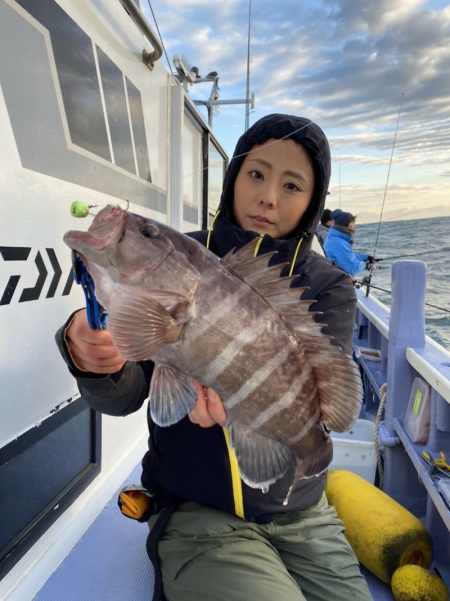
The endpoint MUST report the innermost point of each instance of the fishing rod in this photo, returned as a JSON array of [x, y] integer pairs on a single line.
[[425, 252], [364, 282], [384, 195]]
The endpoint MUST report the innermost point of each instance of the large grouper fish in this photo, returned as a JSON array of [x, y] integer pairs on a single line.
[[235, 325]]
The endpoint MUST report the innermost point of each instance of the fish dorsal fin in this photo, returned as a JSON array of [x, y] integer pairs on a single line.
[[242, 262], [264, 278], [338, 382], [257, 275], [240, 255], [336, 374], [337, 377]]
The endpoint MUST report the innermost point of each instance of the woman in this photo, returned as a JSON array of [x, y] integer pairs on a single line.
[[225, 540]]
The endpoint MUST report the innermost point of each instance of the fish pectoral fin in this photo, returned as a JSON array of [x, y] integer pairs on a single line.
[[171, 395], [262, 461], [140, 327]]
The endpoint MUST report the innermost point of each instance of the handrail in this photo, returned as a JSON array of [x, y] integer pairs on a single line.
[[380, 322], [432, 375], [149, 58]]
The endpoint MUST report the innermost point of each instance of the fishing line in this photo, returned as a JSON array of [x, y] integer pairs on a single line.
[[364, 283], [248, 58], [385, 190], [243, 154], [160, 37]]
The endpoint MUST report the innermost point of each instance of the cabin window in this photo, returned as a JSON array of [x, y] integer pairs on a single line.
[[41, 473], [192, 171], [216, 173], [204, 165]]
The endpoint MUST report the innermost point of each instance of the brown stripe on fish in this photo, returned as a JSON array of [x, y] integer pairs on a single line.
[[313, 419], [238, 348], [258, 378], [256, 361], [209, 331], [213, 333], [285, 401], [302, 413]]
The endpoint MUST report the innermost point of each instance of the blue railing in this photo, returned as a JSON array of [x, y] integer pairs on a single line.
[[392, 350]]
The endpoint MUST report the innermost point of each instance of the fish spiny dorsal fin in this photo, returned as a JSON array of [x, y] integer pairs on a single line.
[[240, 255], [263, 274], [269, 283], [338, 383], [284, 299], [243, 263], [306, 328], [297, 312]]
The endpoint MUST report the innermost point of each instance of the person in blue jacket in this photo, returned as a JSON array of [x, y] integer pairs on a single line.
[[338, 245]]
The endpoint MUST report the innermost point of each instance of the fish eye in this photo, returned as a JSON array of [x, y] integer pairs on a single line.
[[149, 230]]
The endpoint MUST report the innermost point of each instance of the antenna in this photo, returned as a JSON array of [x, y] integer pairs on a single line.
[[188, 76]]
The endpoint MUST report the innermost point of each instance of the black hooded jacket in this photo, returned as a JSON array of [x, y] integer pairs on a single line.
[[192, 463]]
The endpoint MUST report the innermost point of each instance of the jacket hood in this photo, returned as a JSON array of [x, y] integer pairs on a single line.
[[304, 132]]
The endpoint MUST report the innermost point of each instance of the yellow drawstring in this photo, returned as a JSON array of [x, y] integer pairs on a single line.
[[210, 229], [236, 481], [299, 243], [258, 244]]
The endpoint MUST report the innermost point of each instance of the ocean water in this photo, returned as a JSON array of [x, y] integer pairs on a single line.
[[428, 236]]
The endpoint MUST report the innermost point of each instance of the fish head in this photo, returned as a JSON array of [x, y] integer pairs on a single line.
[[120, 248]]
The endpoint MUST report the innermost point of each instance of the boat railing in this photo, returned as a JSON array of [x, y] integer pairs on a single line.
[[133, 10], [393, 351]]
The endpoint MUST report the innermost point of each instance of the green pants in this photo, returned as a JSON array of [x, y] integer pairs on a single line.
[[208, 555]]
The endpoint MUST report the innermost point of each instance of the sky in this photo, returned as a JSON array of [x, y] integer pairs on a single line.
[[374, 74]]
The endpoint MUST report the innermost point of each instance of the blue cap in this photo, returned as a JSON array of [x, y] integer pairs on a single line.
[[343, 218]]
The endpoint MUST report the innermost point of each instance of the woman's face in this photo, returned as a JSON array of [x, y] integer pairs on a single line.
[[273, 188]]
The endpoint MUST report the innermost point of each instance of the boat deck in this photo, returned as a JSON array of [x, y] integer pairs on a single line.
[[110, 562]]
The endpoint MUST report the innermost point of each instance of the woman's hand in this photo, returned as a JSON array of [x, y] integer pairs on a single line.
[[209, 409], [92, 350]]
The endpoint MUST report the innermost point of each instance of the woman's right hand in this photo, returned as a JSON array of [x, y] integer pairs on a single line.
[[92, 350]]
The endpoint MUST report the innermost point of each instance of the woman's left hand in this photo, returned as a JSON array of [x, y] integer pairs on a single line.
[[209, 409]]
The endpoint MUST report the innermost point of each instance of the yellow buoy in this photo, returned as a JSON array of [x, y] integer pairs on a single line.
[[383, 534], [414, 583]]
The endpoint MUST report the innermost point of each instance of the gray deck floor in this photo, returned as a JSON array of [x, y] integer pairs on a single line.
[[110, 563]]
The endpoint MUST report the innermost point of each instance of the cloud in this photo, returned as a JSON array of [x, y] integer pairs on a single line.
[[357, 68]]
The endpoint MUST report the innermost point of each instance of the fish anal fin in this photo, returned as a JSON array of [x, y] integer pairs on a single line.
[[262, 460], [171, 395], [140, 327]]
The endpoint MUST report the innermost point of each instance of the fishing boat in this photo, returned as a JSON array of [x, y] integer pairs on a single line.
[[88, 112]]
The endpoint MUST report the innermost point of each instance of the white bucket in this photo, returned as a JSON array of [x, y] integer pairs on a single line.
[[355, 450]]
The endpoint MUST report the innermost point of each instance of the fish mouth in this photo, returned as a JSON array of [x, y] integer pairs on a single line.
[[107, 229]]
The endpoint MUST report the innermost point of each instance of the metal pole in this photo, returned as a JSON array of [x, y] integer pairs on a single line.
[[247, 93]]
